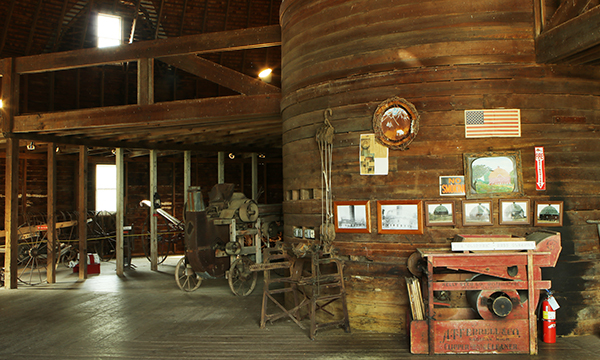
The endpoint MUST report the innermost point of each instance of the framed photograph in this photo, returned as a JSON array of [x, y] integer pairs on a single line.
[[514, 212], [493, 174], [400, 216], [352, 216], [477, 213], [548, 213], [440, 213]]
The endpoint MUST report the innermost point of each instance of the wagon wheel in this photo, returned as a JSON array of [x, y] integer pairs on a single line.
[[186, 277], [33, 254], [165, 239], [103, 228], [68, 253], [241, 280]]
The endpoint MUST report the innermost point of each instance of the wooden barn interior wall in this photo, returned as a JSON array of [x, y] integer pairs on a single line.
[[444, 57], [33, 184]]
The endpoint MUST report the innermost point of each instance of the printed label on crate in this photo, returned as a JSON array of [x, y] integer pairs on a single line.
[[481, 336]]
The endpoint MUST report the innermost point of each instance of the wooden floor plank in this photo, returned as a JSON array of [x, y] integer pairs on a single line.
[[144, 315]]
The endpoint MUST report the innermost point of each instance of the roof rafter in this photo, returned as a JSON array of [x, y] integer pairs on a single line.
[[577, 35], [231, 40], [221, 75]]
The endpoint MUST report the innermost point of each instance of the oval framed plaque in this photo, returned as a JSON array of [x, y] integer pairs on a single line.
[[396, 123]]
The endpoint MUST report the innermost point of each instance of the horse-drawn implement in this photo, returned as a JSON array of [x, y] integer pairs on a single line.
[[222, 239]]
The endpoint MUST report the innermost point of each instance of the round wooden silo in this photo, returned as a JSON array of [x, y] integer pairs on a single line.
[[445, 57]]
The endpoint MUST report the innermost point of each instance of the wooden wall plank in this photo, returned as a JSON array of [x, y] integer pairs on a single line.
[[350, 67]]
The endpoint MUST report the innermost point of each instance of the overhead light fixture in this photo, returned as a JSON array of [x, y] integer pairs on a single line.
[[231, 156], [57, 149], [265, 75], [0, 103], [114, 151], [262, 156], [31, 146], [266, 72]]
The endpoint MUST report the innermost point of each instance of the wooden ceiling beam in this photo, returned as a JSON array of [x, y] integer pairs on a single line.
[[221, 75], [199, 111], [70, 140], [179, 132], [168, 130], [566, 11], [232, 40], [569, 38]]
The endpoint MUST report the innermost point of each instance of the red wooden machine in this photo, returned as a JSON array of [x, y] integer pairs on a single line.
[[499, 281]]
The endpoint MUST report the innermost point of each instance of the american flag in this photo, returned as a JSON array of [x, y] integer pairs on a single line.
[[493, 123]]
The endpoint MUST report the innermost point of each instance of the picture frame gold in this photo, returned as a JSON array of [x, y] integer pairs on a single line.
[[493, 174]]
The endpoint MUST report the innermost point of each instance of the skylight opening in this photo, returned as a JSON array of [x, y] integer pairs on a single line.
[[109, 30]]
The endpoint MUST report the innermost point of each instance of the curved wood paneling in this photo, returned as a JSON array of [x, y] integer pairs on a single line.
[[444, 57]]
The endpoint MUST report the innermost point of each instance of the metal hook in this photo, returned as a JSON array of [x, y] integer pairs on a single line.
[[330, 112]]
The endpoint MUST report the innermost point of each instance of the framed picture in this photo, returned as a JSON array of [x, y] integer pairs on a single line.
[[477, 212], [352, 216], [514, 211], [548, 213], [396, 123], [400, 216], [439, 213], [493, 174]]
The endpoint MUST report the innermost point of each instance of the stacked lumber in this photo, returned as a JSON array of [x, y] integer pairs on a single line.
[[417, 306]]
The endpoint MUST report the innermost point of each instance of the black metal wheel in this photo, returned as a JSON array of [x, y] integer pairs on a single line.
[[242, 281], [102, 230], [33, 255], [186, 277]]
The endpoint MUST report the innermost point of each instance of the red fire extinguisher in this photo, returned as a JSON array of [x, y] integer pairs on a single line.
[[549, 307]]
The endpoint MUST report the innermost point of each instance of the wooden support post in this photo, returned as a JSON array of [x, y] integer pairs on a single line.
[[145, 81], [120, 211], [82, 210], [221, 168], [255, 176], [24, 190], [532, 304], [10, 95], [153, 222], [51, 209], [187, 178], [11, 212], [430, 311]]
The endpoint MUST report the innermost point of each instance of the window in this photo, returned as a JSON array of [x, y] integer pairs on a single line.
[[109, 30], [106, 188]]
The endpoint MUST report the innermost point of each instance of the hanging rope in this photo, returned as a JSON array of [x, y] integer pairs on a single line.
[[324, 139]]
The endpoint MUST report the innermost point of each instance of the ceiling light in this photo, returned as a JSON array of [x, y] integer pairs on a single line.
[[231, 156], [31, 146], [0, 103], [265, 73]]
